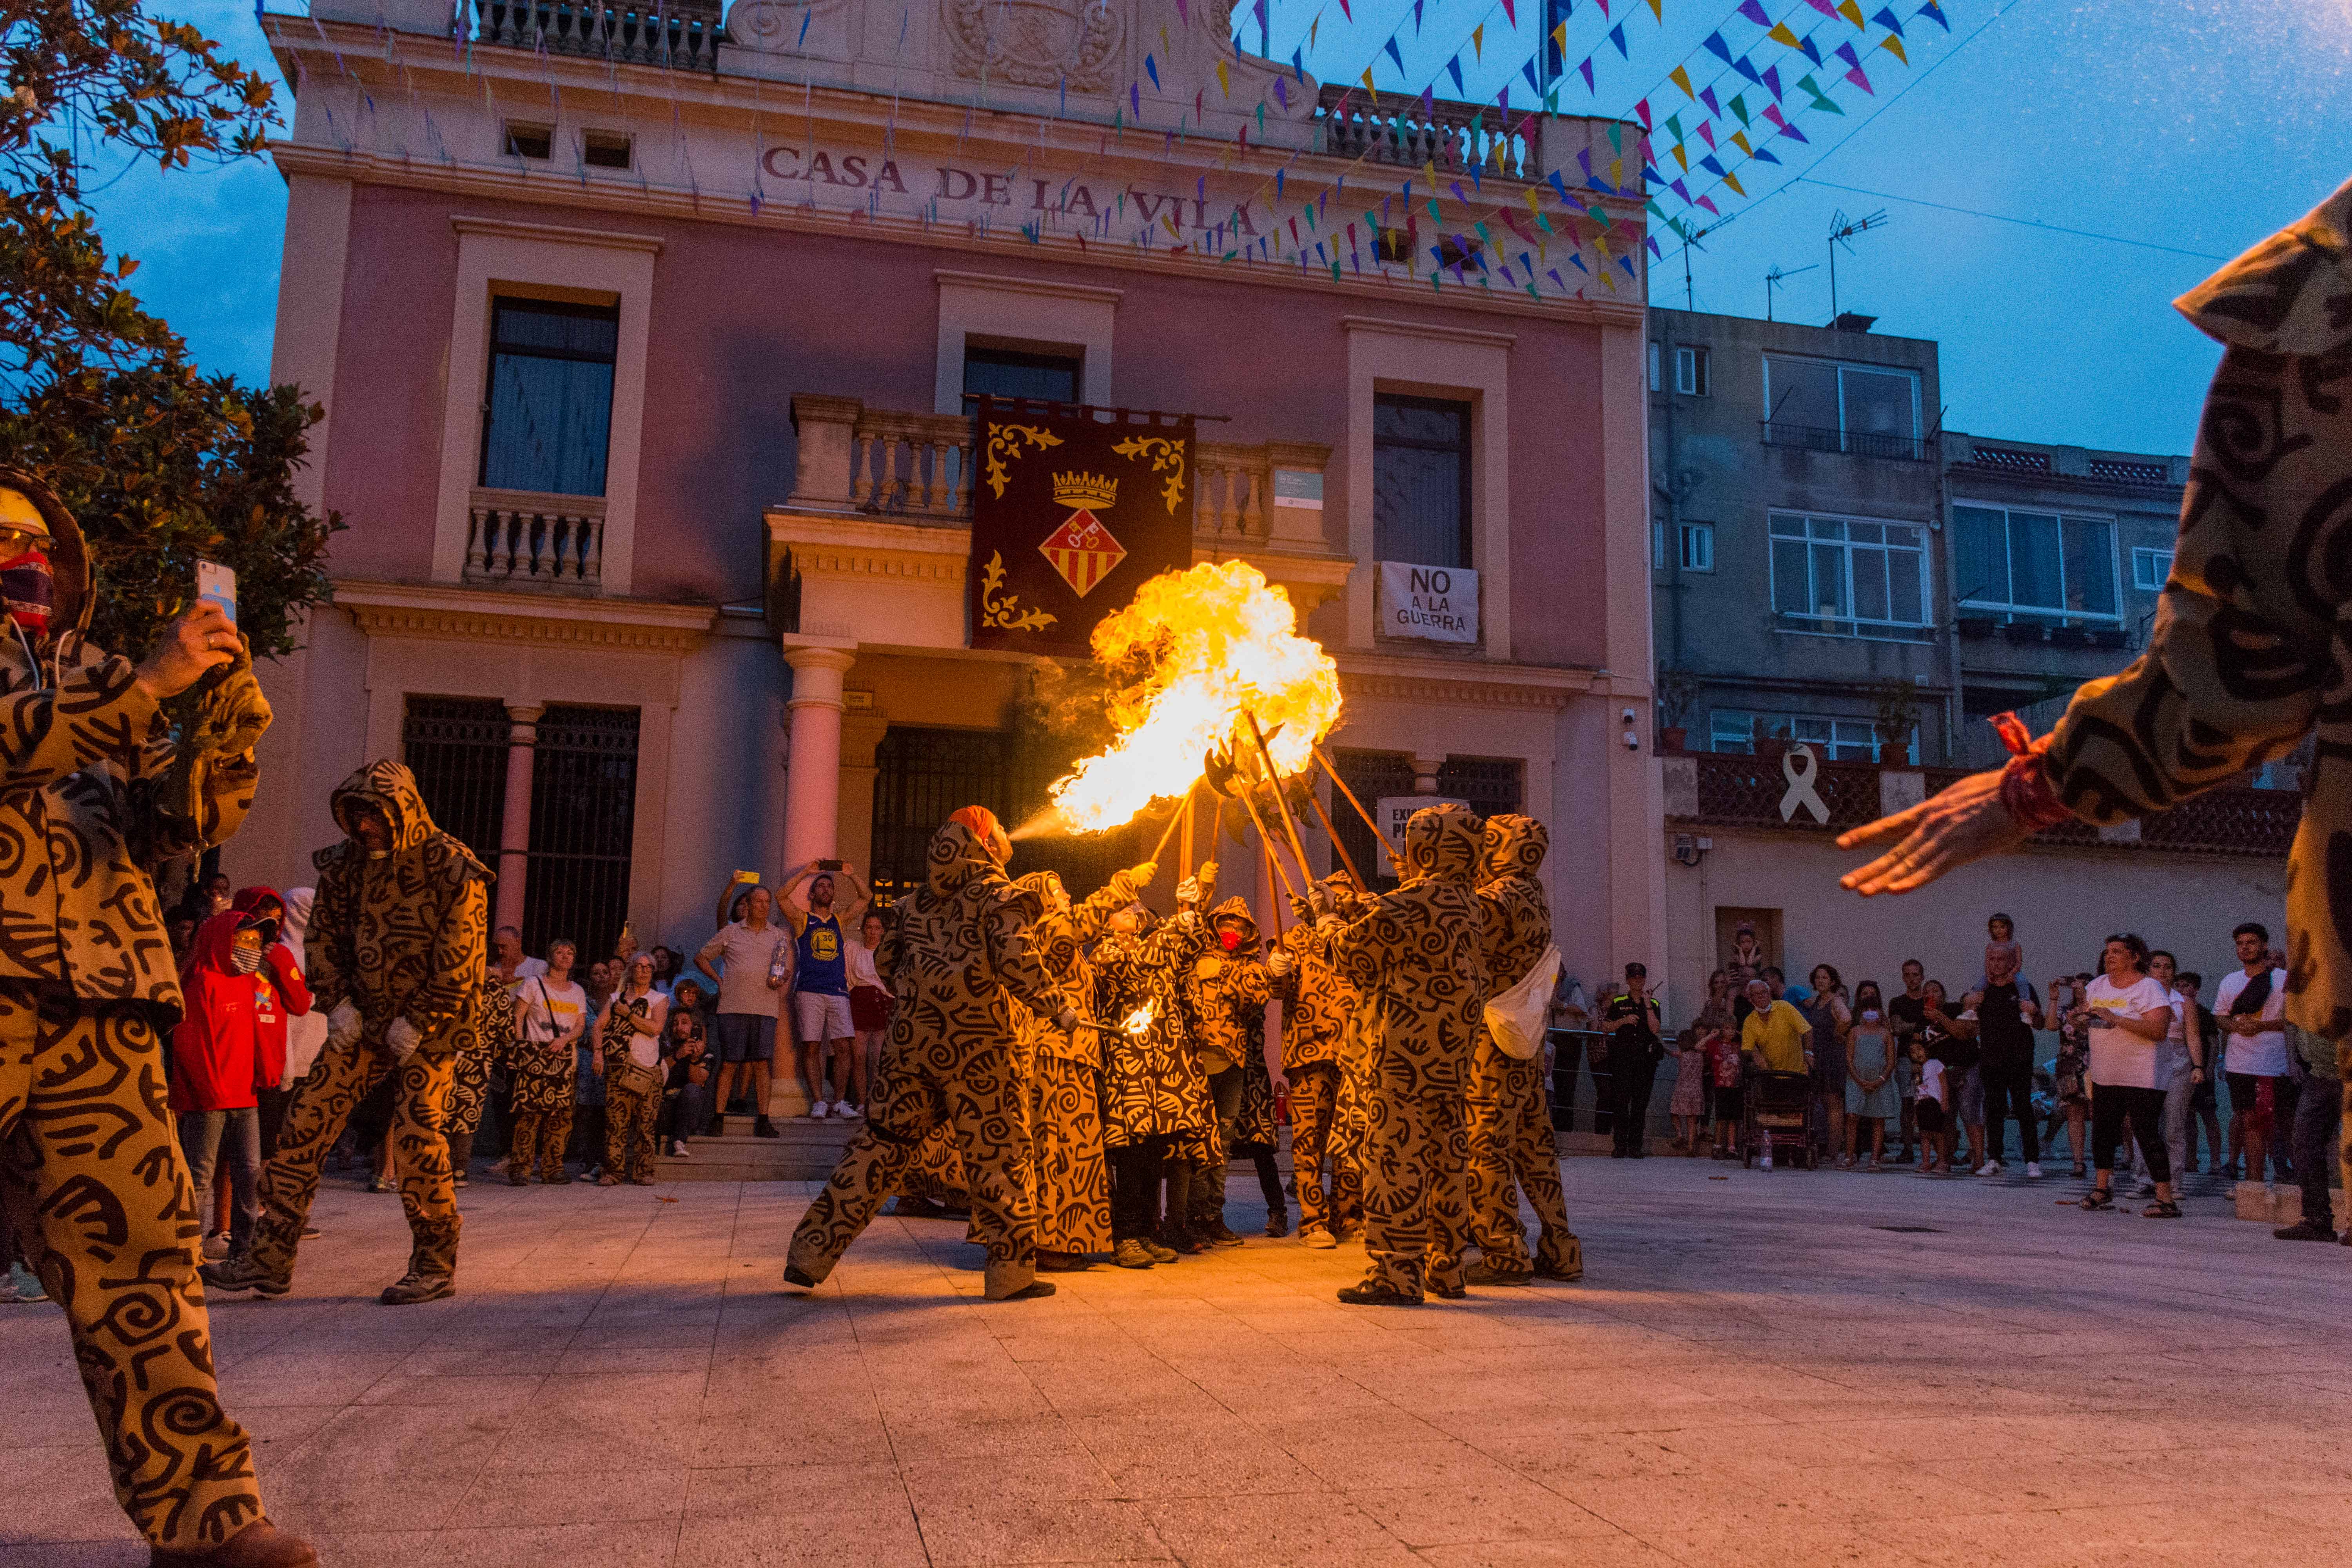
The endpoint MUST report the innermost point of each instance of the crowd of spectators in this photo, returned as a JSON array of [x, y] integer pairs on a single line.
[[2128, 1059]]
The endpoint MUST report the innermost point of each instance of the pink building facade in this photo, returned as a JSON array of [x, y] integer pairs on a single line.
[[645, 357]]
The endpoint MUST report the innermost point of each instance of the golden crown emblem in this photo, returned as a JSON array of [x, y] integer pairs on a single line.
[[1085, 489]]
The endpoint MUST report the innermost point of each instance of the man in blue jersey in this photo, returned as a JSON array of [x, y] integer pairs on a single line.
[[821, 985]]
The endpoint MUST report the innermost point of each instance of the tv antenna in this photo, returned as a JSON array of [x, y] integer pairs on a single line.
[[1691, 239], [1842, 232], [1778, 276]]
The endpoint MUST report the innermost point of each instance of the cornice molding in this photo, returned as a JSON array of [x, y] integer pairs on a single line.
[[455, 180], [1505, 686], [471, 615], [1091, 293], [554, 233], [1427, 330]]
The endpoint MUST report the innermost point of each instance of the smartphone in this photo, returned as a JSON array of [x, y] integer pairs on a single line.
[[216, 584], [749, 878], [829, 864]]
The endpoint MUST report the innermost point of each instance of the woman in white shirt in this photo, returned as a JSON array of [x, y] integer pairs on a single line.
[[629, 1034], [2127, 1014]]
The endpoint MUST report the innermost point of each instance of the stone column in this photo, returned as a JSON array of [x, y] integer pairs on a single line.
[[514, 821], [1425, 768], [813, 768]]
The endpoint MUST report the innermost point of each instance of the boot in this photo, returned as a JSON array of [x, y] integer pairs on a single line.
[[1061, 1262], [413, 1287], [239, 1272], [1216, 1233], [1277, 1223], [517, 1176], [1129, 1253], [260, 1544], [1377, 1296]]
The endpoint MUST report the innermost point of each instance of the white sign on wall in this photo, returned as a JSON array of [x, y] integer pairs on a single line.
[[1438, 603], [1394, 811]]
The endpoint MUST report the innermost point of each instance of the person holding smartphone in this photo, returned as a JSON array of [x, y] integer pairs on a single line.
[[821, 1012], [2126, 1013]]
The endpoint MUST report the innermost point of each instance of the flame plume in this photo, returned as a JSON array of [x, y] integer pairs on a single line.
[[1218, 640]]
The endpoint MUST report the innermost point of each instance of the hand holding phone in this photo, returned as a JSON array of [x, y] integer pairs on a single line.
[[216, 584]]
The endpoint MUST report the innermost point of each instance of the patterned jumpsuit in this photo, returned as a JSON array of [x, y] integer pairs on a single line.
[[1316, 1000], [1071, 1196]]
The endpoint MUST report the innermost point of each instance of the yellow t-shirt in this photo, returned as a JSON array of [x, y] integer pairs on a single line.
[[1777, 1036]]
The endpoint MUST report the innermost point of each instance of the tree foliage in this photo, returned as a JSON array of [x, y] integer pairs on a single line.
[[160, 463]]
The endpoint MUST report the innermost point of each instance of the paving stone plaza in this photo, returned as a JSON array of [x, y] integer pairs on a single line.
[[1794, 1369]]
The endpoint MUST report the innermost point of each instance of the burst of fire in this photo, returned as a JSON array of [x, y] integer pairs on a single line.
[[1221, 641], [1139, 1021]]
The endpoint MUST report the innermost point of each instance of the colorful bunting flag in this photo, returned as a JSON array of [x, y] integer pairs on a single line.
[[1934, 13], [1478, 40], [1706, 96], [1754, 11], [1455, 66], [1853, 13], [1859, 81], [1617, 37], [1716, 45], [1681, 78], [1893, 45], [1887, 19], [1782, 34], [1151, 69], [1394, 53], [1584, 68]]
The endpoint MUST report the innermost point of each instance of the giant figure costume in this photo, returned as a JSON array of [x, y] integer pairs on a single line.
[[1511, 1144], [1416, 957], [1229, 989], [963, 962], [99, 784], [399, 945]]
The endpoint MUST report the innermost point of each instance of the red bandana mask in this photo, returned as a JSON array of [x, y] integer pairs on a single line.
[[28, 590]]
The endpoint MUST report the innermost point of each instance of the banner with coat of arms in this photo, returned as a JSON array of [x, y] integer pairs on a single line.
[[1072, 510]]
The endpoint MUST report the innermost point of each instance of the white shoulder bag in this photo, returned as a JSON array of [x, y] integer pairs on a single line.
[[1517, 1017]]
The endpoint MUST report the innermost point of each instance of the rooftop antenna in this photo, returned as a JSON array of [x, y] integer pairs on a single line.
[[1775, 278], [1842, 232], [1691, 239]]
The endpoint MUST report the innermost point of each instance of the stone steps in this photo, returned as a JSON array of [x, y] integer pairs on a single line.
[[803, 1150]]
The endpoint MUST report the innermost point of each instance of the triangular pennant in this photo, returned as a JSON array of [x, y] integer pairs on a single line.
[[1528, 72], [1845, 52], [1739, 108], [1934, 13], [1887, 19], [1716, 45], [1681, 78], [1706, 134], [1455, 66], [1674, 126], [1771, 81], [1862, 82], [1893, 45], [1754, 11], [1478, 41], [1732, 181], [1151, 69], [1706, 96], [1617, 37], [1812, 50], [1782, 35], [1682, 159], [1584, 68], [1394, 53], [1508, 15], [1853, 13]]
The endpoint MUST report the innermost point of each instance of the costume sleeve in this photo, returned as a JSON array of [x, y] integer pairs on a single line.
[[1296, 942], [1012, 953], [1249, 983], [96, 716], [2233, 670], [1360, 949], [1091, 917], [460, 946]]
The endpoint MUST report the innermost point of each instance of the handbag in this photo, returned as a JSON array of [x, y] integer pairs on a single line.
[[1516, 1017]]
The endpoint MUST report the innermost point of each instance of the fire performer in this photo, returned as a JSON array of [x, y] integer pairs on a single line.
[[1316, 1002], [399, 945], [1156, 1108], [101, 785], [1511, 1143], [1072, 1185], [962, 961], [1416, 956], [1229, 987]]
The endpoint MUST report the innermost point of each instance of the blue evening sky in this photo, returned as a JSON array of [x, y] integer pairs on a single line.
[[2200, 125]]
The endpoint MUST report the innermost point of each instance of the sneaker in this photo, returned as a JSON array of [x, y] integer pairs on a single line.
[[1990, 1168], [1217, 1233], [1157, 1253], [1846, 1163], [413, 1287], [816, 1111], [846, 1111], [217, 1245], [1870, 1166], [239, 1272], [1278, 1224], [2032, 1170], [677, 1150], [1320, 1240], [2304, 1230], [458, 1179], [18, 1286], [1129, 1253]]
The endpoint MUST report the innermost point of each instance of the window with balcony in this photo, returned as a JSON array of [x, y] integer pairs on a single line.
[[1045, 375], [1839, 577], [1421, 480], [1691, 371], [2039, 567], [1834, 740], [2150, 569], [1824, 406], [547, 417]]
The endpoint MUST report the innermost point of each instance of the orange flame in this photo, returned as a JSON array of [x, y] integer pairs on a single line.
[[1222, 641]]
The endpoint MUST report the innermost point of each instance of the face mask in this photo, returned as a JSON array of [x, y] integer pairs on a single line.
[[1870, 1016], [1232, 938], [245, 953], [28, 590]]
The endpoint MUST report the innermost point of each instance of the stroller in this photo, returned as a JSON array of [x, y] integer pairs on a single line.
[[1773, 1118]]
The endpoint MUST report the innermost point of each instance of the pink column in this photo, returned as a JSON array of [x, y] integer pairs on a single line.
[[514, 821], [812, 771]]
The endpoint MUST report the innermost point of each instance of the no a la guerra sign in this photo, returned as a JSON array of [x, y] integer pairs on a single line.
[[1438, 603]]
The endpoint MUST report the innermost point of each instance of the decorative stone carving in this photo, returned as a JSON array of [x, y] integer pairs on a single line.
[[786, 26], [1036, 42]]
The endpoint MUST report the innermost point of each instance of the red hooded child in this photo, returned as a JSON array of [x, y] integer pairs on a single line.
[[232, 1040], [281, 966]]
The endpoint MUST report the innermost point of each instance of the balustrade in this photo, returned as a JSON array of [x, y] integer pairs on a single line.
[[518, 537]]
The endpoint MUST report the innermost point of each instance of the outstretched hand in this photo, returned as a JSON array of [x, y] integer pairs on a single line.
[[199, 640], [1964, 822]]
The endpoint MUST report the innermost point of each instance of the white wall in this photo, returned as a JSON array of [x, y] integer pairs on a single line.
[[2066, 904]]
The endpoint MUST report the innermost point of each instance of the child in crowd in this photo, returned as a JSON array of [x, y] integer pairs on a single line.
[[1689, 1106], [1935, 1106], [2002, 934], [1723, 1053]]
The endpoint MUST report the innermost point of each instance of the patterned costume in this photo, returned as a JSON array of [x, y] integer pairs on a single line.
[[1316, 1002], [2252, 643], [1229, 992], [469, 1088], [95, 791], [961, 963], [402, 938], [1415, 956], [1511, 1143], [632, 1096], [1071, 1198], [1152, 1083], [542, 1074], [936, 1174]]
